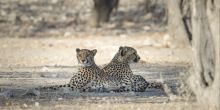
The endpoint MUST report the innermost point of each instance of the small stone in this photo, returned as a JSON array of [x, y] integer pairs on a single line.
[[146, 28], [36, 104], [60, 98], [173, 97], [66, 34], [25, 105], [112, 92], [44, 69]]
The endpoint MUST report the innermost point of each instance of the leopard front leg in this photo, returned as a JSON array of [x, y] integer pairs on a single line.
[[94, 86], [78, 82], [126, 84]]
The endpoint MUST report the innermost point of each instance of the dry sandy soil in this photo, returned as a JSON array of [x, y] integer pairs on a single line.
[[153, 48]]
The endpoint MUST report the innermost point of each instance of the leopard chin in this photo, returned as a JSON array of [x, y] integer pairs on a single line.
[[87, 64]]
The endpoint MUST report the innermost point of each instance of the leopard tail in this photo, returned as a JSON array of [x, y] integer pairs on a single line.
[[53, 87], [155, 85]]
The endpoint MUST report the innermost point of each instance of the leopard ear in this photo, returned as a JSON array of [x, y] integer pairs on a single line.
[[94, 51], [122, 51], [77, 50], [120, 48]]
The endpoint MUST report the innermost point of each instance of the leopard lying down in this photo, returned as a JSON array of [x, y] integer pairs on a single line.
[[116, 76]]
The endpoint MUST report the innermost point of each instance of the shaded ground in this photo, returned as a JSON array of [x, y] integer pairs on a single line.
[[16, 81], [63, 105]]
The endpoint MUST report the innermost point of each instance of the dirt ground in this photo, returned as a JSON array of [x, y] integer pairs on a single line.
[[110, 106], [61, 51]]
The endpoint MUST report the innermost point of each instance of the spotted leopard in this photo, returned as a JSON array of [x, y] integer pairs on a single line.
[[88, 77], [139, 84], [119, 71]]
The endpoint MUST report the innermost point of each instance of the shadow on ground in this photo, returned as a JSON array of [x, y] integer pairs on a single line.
[[16, 82]]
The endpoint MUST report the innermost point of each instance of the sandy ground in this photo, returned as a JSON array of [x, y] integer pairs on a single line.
[[61, 51], [110, 106]]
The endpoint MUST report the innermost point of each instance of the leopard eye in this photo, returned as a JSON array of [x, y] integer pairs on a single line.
[[80, 55]]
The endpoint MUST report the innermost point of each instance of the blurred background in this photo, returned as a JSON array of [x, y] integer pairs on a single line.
[[39, 32], [56, 18]]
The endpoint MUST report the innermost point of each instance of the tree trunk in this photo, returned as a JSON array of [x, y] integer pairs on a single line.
[[177, 27], [205, 81], [102, 10], [204, 15]]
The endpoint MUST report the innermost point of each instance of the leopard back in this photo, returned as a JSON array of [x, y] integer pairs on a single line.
[[118, 70]]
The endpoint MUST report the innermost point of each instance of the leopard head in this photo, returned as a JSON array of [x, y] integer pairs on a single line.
[[86, 57], [127, 54]]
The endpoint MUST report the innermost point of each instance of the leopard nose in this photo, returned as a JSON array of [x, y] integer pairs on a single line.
[[83, 60]]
